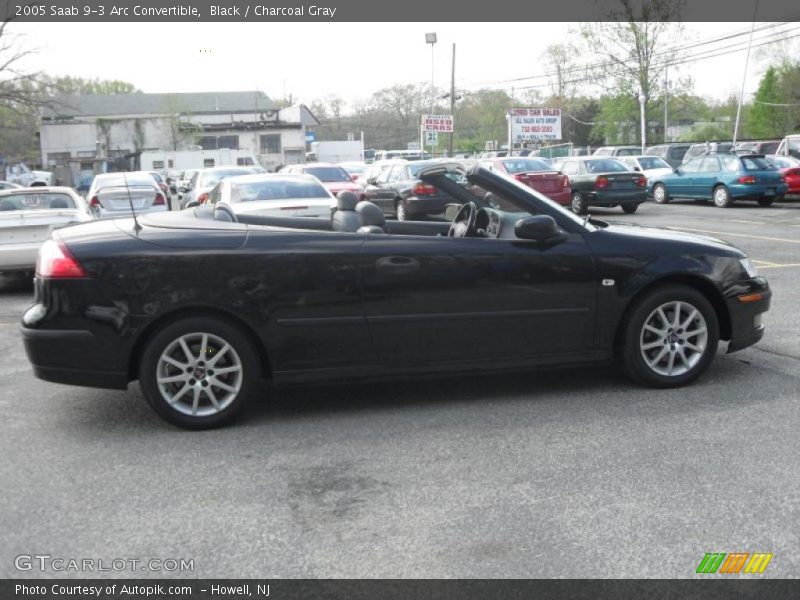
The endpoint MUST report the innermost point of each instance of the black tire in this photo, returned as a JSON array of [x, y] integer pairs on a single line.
[[660, 194], [766, 201], [248, 378], [578, 204], [401, 210], [629, 209], [632, 352], [721, 197]]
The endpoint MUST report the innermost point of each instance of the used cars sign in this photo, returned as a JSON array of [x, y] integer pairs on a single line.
[[531, 124], [443, 123]]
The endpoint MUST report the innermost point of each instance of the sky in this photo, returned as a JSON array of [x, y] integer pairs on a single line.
[[351, 60]]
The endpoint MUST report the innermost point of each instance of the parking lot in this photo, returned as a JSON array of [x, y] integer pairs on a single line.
[[570, 473]]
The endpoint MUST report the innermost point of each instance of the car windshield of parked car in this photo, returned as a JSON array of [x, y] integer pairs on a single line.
[[653, 162], [605, 166], [527, 165], [212, 178], [279, 189], [328, 174], [46, 201]]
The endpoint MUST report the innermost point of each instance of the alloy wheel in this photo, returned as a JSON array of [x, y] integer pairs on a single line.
[[674, 338], [199, 374]]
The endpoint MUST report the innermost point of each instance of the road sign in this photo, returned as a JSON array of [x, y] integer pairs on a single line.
[[431, 138], [530, 124], [311, 136], [443, 123]]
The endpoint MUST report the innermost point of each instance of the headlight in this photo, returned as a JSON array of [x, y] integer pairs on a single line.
[[748, 267]]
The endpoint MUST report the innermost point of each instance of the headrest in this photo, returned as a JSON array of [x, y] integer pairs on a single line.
[[346, 200], [370, 214], [59, 203]]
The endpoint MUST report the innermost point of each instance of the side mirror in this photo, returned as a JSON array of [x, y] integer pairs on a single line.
[[637, 169], [192, 204], [539, 228], [371, 180], [676, 170]]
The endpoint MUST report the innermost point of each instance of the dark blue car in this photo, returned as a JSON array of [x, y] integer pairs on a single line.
[[722, 178]]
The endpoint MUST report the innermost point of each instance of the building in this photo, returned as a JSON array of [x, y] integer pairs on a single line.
[[78, 133]]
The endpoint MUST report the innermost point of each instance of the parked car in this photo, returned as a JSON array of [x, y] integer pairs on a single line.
[[356, 170], [303, 302], [113, 194], [204, 180], [672, 154], [7, 185], [722, 178], [332, 176], [27, 215], [271, 193], [374, 169], [598, 181], [696, 150], [757, 147], [617, 151], [789, 146], [649, 166], [399, 192], [789, 167], [536, 172]]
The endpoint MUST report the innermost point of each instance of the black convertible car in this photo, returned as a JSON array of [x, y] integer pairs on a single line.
[[199, 307]]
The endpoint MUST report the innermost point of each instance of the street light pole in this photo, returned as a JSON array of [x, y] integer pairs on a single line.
[[744, 76], [430, 38]]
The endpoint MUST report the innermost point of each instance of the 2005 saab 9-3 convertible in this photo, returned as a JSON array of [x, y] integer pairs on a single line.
[[199, 307]]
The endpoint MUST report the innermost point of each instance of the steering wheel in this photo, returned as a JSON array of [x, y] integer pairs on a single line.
[[463, 224]]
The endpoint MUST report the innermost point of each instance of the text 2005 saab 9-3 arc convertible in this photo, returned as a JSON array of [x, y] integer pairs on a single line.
[[199, 306]]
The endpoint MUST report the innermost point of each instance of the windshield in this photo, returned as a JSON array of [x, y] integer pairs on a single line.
[[280, 189], [604, 165], [212, 178], [36, 202], [526, 165], [328, 174], [653, 162]]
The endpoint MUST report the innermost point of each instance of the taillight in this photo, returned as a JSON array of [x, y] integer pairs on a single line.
[[202, 198], [747, 179], [94, 202], [160, 200], [354, 177], [56, 262], [565, 183], [641, 182], [601, 182], [423, 189]]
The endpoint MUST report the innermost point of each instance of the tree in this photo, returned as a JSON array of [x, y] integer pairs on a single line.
[[79, 86], [765, 119], [180, 129], [632, 44]]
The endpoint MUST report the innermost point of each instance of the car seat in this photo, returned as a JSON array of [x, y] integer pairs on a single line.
[[345, 217], [371, 218], [59, 203]]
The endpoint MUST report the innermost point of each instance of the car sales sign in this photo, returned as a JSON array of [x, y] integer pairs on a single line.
[[530, 124], [441, 123]]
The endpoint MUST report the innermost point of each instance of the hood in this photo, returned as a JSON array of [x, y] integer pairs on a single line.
[[342, 186], [661, 234]]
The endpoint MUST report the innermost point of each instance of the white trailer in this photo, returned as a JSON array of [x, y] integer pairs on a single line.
[[336, 152], [180, 160]]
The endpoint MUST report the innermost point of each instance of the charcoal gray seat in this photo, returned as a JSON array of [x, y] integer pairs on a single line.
[[371, 218], [345, 217], [58, 203]]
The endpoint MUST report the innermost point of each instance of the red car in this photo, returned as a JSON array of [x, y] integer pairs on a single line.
[[333, 177], [536, 173], [789, 167]]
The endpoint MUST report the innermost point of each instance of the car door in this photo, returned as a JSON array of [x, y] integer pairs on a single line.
[[376, 192], [680, 184], [476, 300], [706, 178]]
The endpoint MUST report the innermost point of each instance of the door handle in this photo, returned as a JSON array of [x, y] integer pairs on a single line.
[[397, 264]]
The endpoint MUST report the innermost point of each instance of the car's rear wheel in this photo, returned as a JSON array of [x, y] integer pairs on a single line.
[[721, 196], [766, 201], [401, 211], [199, 373], [670, 337], [578, 204], [629, 209], [660, 194]]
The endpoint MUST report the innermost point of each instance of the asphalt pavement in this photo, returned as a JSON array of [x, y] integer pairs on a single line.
[[570, 473]]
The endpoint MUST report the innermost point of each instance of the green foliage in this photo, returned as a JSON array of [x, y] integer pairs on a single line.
[[80, 86], [708, 132], [765, 120]]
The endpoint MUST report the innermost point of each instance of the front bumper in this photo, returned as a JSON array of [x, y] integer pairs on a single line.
[[747, 327]]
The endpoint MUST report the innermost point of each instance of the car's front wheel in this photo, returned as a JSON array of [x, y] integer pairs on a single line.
[[670, 337], [199, 373], [660, 194], [578, 204]]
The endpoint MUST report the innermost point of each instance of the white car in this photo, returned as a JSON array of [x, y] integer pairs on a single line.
[[7, 185], [204, 180], [272, 194], [649, 166], [28, 215], [113, 194]]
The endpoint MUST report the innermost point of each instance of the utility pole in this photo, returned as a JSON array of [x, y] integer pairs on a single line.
[[666, 94], [452, 100], [744, 77]]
